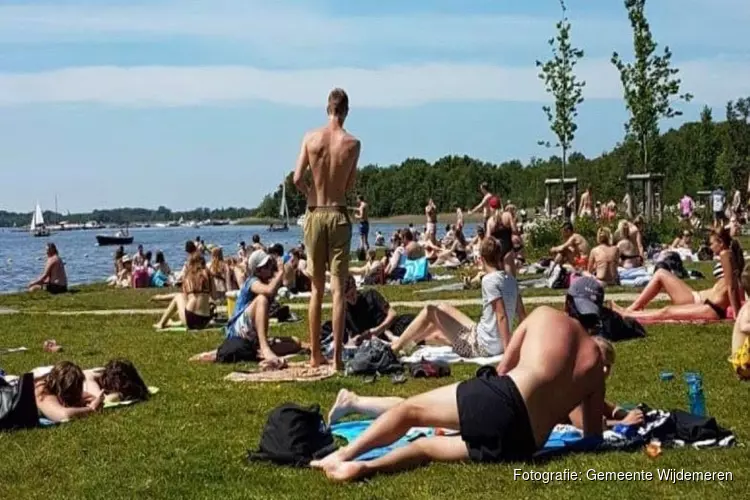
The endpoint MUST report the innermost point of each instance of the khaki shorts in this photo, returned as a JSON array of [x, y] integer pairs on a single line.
[[328, 237]]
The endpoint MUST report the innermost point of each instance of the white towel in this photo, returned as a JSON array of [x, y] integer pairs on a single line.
[[446, 354]]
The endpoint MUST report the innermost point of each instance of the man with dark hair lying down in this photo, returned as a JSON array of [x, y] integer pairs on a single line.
[[369, 314], [551, 368]]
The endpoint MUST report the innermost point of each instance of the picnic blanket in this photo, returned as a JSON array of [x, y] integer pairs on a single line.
[[300, 371], [446, 354], [562, 436]]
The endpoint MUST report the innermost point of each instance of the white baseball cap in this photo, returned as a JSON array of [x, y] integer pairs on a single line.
[[257, 259]]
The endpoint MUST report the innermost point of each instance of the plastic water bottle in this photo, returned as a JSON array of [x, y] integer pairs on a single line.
[[696, 398]]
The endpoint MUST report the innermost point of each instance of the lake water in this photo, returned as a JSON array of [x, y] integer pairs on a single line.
[[22, 256]]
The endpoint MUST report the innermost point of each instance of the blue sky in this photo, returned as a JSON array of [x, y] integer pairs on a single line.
[[191, 103]]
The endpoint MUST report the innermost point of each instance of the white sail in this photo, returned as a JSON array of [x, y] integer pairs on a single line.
[[37, 220]]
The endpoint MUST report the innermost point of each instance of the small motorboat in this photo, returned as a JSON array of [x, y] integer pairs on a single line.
[[277, 229], [119, 238]]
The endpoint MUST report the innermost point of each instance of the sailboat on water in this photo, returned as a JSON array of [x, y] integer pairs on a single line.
[[283, 212], [37, 226]]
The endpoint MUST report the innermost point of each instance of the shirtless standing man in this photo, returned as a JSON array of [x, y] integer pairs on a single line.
[[364, 222], [331, 154], [53, 279], [587, 205], [552, 367], [484, 205]]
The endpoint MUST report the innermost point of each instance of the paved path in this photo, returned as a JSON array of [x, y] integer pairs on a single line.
[[297, 306]]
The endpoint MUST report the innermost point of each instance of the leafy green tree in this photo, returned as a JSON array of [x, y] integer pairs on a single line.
[[560, 80], [650, 85], [708, 149]]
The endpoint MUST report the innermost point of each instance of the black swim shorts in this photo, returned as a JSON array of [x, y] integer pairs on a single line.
[[493, 419]]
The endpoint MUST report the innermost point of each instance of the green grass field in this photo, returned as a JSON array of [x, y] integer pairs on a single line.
[[191, 439]]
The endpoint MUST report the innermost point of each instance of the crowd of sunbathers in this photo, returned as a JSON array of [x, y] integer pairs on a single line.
[[553, 369]]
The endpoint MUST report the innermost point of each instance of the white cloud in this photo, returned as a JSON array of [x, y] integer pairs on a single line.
[[386, 87], [289, 32]]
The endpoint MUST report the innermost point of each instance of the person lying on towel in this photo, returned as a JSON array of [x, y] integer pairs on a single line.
[[551, 368], [348, 402], [66, 392], [443, 324], [688, 304]]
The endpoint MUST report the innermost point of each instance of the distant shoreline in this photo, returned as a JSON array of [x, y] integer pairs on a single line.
[[416, 219]]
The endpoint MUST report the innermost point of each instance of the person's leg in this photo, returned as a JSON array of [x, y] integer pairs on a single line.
[[436, 408], [423, 326], [348, 402], [35, 288], [340, 238], [258, 314], [316, 246], [419, 452], [679, 292], [176, 306], [689, 312]]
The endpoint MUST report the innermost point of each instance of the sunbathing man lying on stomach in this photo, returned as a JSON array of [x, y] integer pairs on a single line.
[[573, 251], [551, 368], [348, 402]]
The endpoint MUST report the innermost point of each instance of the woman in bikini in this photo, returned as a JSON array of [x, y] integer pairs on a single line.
[[66, 392], [222, 275], [193, 305], [688, 304]]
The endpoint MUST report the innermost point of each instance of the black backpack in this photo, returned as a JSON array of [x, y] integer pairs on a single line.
[[294, 436], [373, 357], [18, 404], [615, 327]]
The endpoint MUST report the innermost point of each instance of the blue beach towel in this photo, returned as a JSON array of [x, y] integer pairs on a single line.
[[562, 438]]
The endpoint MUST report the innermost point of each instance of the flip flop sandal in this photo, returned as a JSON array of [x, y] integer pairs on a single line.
[[370, 379], [398, 378]]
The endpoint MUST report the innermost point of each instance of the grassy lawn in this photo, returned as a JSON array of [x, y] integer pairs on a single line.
[[191, 439]]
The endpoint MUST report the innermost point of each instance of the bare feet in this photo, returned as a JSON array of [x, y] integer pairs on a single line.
[[330, 461], [346, 471], [342, 406], [618, 309], [158, 326], [204, 357], [316, 361]]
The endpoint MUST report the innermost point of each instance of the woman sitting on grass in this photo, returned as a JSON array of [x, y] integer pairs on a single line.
[[66, 392], [688, 304], [193, 305], [604, 258]]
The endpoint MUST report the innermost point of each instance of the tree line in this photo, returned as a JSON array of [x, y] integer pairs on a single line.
[[697, 156], [126, 216]]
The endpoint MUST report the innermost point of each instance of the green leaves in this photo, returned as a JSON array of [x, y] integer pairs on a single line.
[[561, 82], [650, 83]]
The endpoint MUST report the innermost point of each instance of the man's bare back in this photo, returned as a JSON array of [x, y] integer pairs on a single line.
[[556, 366], [332, 155]]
